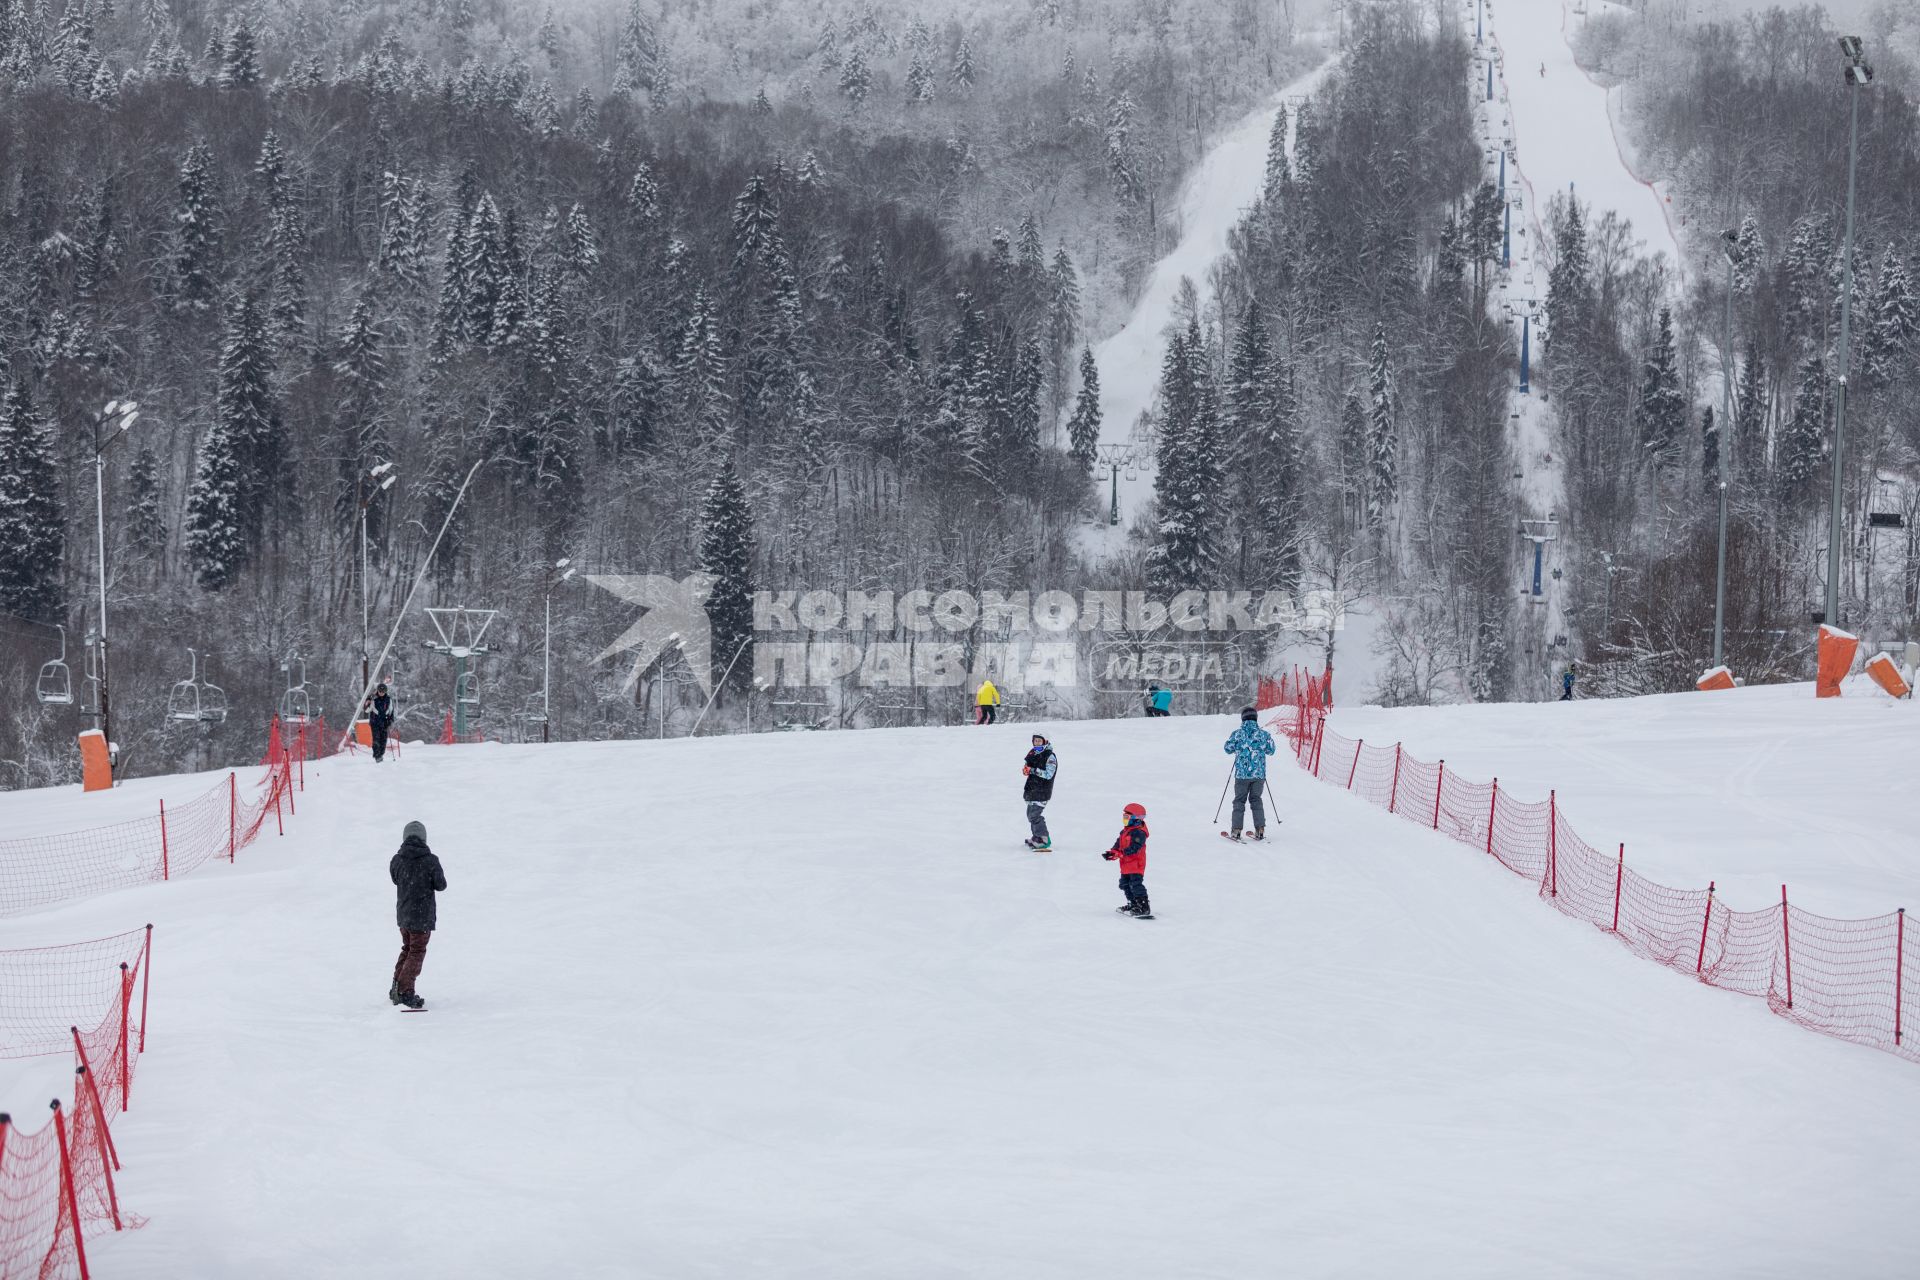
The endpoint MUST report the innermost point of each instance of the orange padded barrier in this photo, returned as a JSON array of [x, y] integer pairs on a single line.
[[1718, 678], [1886, 674], [1836, 652], [96, 767]]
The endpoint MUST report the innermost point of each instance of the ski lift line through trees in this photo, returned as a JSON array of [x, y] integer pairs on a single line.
[[54, 687], [406, 607]]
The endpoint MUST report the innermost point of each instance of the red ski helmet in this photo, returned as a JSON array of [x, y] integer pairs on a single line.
[[1135, 810]]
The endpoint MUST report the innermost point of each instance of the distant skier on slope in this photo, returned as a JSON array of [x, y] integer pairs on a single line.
[[986, 703], [1566, 684], [1130, 848], [378, 710], [416, 877], [1039, 770], [1249, 745], [1159, 701], [1543, 71]]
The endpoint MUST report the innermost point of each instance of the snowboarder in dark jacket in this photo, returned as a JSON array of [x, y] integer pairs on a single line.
[[1040, 766], [379, 713], [416, 877], [1130, 849]]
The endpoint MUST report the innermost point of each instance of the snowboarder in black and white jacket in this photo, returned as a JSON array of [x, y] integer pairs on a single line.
[[416, 876], [1040, 766]]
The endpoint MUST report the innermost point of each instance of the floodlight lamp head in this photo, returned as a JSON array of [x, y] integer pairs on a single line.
[[1859, 75], [380, 469], [113, 407], [387, 483], [1850, 46], [563, 562]]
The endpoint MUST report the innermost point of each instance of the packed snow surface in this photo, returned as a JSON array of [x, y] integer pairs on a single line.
[[801, 1005]]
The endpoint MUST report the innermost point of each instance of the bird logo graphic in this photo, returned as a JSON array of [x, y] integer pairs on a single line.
[[675, 617]]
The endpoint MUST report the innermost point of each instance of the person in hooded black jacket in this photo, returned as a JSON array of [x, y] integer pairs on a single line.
[[416, 877], [379, 713]]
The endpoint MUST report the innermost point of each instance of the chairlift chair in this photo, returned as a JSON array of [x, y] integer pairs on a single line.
[[466, 691], [195, 699], [296, 705], [55, 685]]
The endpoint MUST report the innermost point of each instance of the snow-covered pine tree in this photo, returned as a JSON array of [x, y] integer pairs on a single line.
[[1063, 321], [1186, 553], [921, 82], [1569, 283], [1383, 430], [1662, 411], [197, 234], [289, 306], [240, 59], [726, 552], [1122, 173], [635, 405], [1279, 174], [484, 274], [32, 525], [216, 546], [1798, 456], [1893, 336], [1083, 429], [700, 373], [964, 71], [249, 415], [1353, 459], [582, 248], [856, 79]]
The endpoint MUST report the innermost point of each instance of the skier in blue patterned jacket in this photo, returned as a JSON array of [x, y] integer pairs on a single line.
[[1249, 745]]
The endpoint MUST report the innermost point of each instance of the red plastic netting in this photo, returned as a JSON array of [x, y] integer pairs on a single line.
[[56, 1184], [1847, 978], [39, 871]]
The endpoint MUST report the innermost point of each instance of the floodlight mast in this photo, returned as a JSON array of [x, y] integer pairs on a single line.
[[120, 415], [1858, 75]]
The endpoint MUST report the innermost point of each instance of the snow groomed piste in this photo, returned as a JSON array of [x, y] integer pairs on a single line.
[[788, 1005]]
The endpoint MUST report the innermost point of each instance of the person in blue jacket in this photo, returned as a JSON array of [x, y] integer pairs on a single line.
[[1249, 745], [1159, 701]]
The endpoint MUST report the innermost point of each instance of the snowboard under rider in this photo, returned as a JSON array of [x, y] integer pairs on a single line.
[[417, 876], [1249, 745], [1130, 850], [1040, 766]]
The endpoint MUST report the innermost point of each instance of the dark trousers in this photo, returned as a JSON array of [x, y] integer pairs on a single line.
[[413, 955], [1156, 711], [378, 727], [1037, 820], [1245, 789], [1135, 887], [987, 714], [1566, 693]]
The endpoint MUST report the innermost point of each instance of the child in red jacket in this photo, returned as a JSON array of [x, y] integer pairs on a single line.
[[1131, 849]]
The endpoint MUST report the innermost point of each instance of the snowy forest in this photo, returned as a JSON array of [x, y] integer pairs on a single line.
[[806, 296]]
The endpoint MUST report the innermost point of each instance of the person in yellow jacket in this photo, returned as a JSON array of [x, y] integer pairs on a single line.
[[986, 703]]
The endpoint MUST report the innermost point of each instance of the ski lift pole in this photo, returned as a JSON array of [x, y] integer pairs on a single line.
[[716, 692], [418, 578]]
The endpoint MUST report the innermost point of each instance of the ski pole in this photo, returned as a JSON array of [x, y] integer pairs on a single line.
[[1223, 795]]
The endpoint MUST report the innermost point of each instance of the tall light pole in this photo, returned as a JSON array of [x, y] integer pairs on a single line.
[[546, 652], [1858, 75], [1731, 245], [382, 478], [109, 425]]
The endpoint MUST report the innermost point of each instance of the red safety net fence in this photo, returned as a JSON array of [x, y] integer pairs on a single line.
[[56, 1184], [1301, 697], [38, 871], [1844, 978]]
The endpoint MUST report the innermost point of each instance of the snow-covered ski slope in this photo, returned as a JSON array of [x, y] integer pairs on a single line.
[[1213, 199], [1565, 134], [801, 1006]]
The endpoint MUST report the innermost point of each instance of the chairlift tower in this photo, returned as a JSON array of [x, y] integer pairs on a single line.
[[462, 634], [1539, 533]]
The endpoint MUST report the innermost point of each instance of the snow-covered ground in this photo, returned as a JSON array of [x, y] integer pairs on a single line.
[[1213, 199], [1564, 128], [801, 1005], [1753, 788]]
